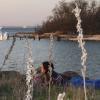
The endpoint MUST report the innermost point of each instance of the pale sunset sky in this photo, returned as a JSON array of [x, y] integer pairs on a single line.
[[25, 12]]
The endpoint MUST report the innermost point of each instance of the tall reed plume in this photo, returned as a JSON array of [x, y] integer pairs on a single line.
[[29, 73], [77, 12]]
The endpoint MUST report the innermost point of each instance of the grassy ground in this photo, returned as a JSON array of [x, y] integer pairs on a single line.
[[72, 93], [13, 87]]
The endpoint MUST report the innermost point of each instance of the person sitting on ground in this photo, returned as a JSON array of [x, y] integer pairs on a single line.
[[56, 78], [43, 75]]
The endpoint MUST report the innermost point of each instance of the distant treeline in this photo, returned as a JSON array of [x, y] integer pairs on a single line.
[[63, 20]]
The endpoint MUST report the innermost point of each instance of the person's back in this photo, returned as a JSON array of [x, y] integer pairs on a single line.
[[58, 79]]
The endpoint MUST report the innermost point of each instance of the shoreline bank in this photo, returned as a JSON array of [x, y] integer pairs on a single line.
[[56, 36]]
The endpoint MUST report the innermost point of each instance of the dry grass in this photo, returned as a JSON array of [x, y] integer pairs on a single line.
[[13, 87]]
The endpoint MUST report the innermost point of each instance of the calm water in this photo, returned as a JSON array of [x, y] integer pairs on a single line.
[[66, 55]]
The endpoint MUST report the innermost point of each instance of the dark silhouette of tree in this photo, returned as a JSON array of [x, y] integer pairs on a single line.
[[64, 20]]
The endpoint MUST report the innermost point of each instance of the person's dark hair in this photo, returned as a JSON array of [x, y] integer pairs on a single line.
[[46, 65]]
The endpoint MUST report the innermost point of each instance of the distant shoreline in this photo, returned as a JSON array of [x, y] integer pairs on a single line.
[[57, 36], [74, 37]]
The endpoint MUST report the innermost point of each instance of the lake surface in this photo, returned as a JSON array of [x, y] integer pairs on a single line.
[[66, 55]]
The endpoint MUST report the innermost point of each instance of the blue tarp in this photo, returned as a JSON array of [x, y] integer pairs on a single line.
[[78, 81]]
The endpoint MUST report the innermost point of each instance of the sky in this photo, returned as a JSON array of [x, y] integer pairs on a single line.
[[25, 12]]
